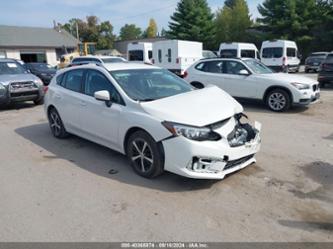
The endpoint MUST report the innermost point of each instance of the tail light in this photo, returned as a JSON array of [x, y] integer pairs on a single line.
[[177, 60], [185, 74], [46, 88]]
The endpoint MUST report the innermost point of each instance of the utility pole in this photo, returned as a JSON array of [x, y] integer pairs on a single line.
[[77, 30]]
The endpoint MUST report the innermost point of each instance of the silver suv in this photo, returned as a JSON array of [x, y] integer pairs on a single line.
[[18, 85]]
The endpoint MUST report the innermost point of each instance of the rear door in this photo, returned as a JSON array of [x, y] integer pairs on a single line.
[[67, 98]]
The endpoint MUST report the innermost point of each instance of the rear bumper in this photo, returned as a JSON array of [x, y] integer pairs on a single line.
[[311, 67]]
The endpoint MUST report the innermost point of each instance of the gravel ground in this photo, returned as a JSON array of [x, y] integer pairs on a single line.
[[62, 190]]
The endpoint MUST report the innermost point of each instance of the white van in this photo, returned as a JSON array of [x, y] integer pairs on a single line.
[[140, 52], [176, 55], [238, 50], [280, 55]]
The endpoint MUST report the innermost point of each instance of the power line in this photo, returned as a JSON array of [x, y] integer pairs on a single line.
[[144, 13]]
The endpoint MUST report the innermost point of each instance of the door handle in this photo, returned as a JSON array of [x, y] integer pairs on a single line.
[[83, 103], [57, 96]]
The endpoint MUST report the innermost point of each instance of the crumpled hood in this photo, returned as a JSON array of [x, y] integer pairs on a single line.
[[197, 108], [289, 78], [6, 79]]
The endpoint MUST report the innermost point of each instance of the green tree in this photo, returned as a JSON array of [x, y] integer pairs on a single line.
[[233, 22], [290, 19], [193, 20], [91, 30], [129, 32], [152, 29]]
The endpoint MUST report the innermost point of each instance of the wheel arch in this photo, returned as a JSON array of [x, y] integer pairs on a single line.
[[275, 87], [194, 83]]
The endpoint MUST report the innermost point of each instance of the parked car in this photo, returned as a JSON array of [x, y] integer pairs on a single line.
[[325, 75], [176, 55], [81, 60], [250, 79], [313, 62], [238, 50], [141, 52], [280, 55], [208, 54], [18, 85], [154, 117], [42, 70]]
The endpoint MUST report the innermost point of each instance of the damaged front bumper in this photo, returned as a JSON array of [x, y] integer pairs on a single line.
[[214, 159]]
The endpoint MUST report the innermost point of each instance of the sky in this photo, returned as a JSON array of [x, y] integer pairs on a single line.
[[41, 13]]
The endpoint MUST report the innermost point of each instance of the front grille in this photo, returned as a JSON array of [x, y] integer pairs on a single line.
[[237, 162], [315, 87], [24, 85], [23, 94]]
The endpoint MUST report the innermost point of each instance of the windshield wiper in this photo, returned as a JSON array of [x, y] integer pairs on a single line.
[[146, 100]]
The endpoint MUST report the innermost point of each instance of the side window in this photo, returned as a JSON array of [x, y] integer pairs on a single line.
[[59, 79], [228, 53], [213, 66], [160, 55], [200, 66], [95, 81], [169, 55], [233, 67], [73, 80]]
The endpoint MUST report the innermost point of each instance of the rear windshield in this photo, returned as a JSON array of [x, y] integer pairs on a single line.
[[291, 52], [274, 52], [228, 53], [247, 53], [135, 55], [11, 68], [112, 60]]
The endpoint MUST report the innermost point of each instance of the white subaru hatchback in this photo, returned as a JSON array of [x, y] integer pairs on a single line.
[[154, 117]]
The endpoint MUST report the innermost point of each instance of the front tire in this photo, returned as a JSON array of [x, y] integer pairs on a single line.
[[56, 125], [147, 158], [278, 100]]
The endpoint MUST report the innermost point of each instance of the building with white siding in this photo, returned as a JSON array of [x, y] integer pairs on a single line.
[[31, 44]]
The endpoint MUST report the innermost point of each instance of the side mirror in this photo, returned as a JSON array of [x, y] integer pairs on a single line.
[[103, 96], [244, 72]]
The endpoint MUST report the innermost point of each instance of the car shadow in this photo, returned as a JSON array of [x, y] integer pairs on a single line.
[[104, 162], [17, 106], [256, 106]]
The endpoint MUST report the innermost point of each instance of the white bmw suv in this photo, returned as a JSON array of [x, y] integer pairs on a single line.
[[154, 117], [250, 79]]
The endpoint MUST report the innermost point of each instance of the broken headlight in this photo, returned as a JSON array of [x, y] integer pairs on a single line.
[[242, 133], [192, 132]]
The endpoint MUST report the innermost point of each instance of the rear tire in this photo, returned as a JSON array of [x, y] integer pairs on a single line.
[[147, 158], [56, 125], [278, 100]]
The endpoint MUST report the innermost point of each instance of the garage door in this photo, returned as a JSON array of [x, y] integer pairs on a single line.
[[33, 56]]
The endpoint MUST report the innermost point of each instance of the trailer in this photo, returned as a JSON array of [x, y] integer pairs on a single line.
[[141, 52], [176, 55]]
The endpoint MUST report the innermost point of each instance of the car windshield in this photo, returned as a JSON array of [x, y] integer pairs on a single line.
[[150, 84], [257, 67], [11, 68], [41, 66], [112, 60]]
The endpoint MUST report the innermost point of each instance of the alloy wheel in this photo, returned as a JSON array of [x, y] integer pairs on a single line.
[[142, 155], [277, 101], [55, 123]]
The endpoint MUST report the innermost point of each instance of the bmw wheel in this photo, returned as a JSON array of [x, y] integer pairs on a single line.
[[147, 158], [278, 100], [57, 127]]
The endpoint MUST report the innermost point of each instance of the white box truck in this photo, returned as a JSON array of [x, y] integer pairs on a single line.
[[280, 55], [176, 55], [140, 52], [238, 50]]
